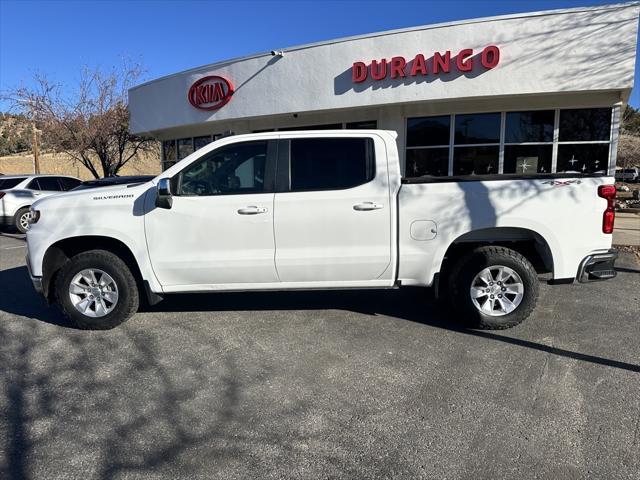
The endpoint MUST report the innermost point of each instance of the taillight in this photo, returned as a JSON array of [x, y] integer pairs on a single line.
[[608, 192]]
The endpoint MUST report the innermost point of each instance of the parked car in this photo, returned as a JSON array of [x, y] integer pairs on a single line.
[[116, 180], [319, 210], [18, 192], [628, 174]]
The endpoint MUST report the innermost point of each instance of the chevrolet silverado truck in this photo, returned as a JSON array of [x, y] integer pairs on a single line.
[[319, 210]]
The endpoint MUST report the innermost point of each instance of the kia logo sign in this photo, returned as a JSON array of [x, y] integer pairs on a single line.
[[210, 93]]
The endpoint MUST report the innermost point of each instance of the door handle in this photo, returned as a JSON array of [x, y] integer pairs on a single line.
[[365, 206], [252, 210]]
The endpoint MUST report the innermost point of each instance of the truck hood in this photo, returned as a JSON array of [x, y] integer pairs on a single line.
[[76, 199]]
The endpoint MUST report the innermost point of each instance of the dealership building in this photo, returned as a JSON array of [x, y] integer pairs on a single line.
[[529, 93]]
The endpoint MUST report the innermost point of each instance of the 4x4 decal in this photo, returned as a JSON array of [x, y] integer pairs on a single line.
[[562, 183]]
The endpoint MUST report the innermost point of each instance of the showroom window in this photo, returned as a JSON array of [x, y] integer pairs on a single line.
[[366, 124], [584, 136], [520, 143], [428, 146], [176, 150], [528, 142], [476, 144]]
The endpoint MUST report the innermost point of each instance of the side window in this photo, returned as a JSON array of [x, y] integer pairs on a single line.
[[234, 169], [33, 185], [49, 184], [68, 183], [331, 163]]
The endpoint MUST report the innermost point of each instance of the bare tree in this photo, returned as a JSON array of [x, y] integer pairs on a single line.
[[629, 140], [91, 124]]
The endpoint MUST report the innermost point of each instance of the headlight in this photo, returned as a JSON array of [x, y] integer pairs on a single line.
[[35, 216]]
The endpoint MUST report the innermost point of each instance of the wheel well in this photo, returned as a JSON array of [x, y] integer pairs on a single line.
[[61, 251], [528, 243]]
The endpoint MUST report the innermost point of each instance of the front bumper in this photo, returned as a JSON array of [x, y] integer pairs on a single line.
[[36, 281], [598, 266]]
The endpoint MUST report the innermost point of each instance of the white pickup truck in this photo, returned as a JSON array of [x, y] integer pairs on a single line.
[[318, 210]]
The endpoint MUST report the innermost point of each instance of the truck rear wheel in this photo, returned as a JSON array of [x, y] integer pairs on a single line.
[[493, 288], [96, 290]]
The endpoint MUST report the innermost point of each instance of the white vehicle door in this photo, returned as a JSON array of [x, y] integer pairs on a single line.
[[333, 214], [44, 186], [219, 229]]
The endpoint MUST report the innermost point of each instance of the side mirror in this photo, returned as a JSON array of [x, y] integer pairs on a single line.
[[164, 199]]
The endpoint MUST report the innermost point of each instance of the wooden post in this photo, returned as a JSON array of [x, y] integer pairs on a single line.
[[36, 150]]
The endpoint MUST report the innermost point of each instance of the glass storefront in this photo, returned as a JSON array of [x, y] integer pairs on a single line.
[[177, 149], [524, 142]]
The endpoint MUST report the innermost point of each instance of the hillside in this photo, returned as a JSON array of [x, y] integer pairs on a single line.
[[15, 134]]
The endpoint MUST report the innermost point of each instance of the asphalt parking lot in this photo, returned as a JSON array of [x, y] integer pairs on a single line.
[[321, 385]]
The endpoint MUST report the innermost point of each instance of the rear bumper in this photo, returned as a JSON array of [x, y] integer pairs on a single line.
[[598, 266]]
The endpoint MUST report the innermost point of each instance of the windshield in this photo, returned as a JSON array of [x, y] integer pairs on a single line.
[[10, 182]]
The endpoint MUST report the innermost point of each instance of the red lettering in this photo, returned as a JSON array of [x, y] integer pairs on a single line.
[[218, 93], [439, 63], [490, 56], [378, 73], [200, 98], [397, 67], [419, 65], [359, 72], [463, 62], [442, 63]]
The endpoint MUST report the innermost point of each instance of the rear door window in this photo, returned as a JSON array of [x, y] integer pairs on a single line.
[[8, 183], [47, 184], [331, 163], [69, 183]]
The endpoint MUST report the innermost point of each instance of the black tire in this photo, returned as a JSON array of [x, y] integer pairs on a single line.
[[128, 294], [17, 219], [465, 270]]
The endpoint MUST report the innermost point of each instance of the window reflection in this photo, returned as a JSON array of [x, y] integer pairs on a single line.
[[527, 159], [427, 161], [475, 160], [477, 128], [585, 124], [169, 150], [199, 142], [534, 126], [185, 147], [237, 168], [583, 158], [428, 131]]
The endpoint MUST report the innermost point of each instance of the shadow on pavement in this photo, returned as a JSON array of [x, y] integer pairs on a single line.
[[412, 304]]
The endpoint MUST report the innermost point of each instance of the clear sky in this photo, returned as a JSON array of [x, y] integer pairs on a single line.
[[58, 38]]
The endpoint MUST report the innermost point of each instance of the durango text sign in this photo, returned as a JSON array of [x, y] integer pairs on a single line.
[[210, 93], [439, 63]]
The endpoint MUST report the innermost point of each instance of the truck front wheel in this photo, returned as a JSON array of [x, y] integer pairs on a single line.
[[493, 288], [96, 290]]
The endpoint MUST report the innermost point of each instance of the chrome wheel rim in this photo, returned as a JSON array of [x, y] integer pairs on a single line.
[[93, 293], [25, 220], [497, 290]]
